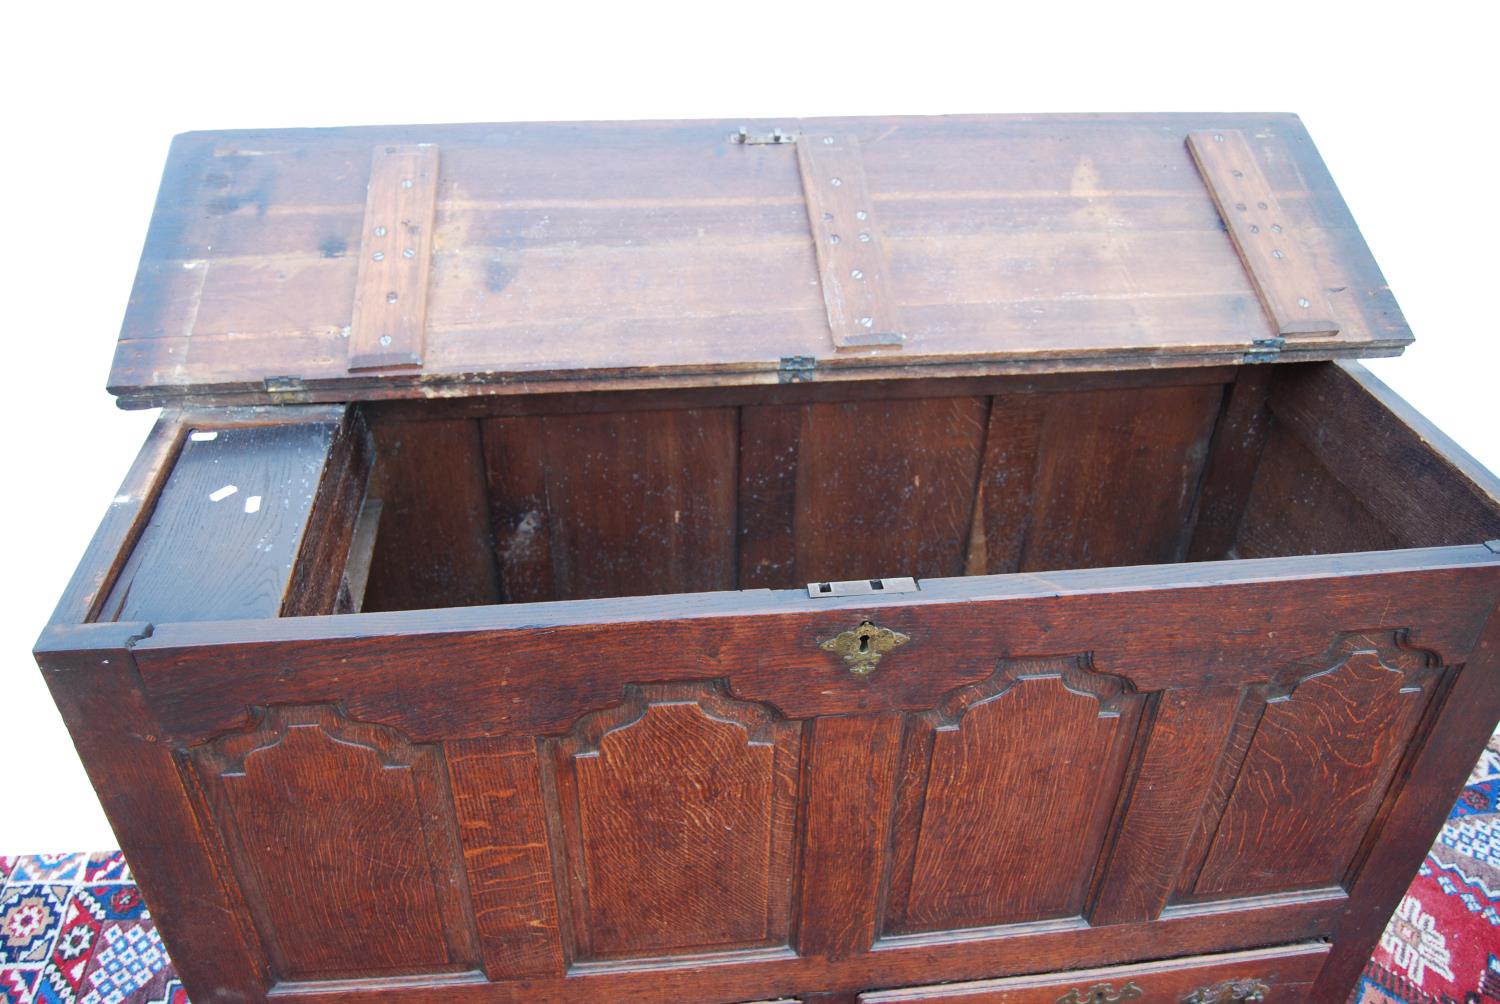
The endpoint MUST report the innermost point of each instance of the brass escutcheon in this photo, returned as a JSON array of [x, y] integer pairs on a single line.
[[1101, 993], [864, 646], [1229, 992]]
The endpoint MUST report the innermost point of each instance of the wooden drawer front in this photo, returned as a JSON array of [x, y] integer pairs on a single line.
[[1270, 974]]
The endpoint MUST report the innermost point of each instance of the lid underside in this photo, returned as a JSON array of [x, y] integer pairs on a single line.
[[421, 261]]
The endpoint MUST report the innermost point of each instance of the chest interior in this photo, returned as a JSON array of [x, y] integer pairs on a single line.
[[570, 497]]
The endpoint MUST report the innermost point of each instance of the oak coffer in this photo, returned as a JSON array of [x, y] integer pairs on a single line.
[[848, 560]]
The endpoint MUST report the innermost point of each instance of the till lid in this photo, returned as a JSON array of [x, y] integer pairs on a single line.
[[413, 261]]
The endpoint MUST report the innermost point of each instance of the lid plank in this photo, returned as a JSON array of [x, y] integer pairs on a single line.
[[622, 255], [390, 294], [1278, 262]]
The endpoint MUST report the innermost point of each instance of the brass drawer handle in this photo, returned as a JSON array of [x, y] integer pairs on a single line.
[[1229, 992], [1101, 993]]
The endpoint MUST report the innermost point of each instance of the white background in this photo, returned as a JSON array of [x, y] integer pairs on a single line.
[[1400, 101]]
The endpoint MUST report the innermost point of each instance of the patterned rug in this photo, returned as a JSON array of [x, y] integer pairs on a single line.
[[1443, 944], [73, 927], [74, 930]]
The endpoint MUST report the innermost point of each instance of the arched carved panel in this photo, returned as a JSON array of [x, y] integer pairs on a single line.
[[333, 827], [1318, 766], [678, 818], [1006, 794]]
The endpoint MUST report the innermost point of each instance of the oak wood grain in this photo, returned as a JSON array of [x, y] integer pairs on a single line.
[[1286, 972], [539, 664], [1084, 480], [1418, 484], [497, 800], [389, 321], [516, 470], [1282, 269], [709, 866], [1017, 952], [127, 516], [853, 268], [886, 488], [603, 500], [434, 548], [1234, 453], [850, 783], [364, 818], [194, 901], [628, 254], [1316, 772], [1022, 768], [770, 437], [1186, 737], [1433, 778], [252, 521], [1297, 506]]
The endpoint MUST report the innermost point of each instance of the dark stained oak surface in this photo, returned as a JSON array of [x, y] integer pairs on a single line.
[[1202, 637], [653, 254], [371, 835], [253, 521], [1285, 975]]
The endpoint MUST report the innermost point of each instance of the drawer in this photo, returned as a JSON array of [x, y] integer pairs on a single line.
[[1268, 974]]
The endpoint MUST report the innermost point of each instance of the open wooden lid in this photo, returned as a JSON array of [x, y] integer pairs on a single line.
[[420, 261]]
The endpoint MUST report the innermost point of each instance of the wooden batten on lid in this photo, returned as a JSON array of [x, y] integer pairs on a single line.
[[348, 264]]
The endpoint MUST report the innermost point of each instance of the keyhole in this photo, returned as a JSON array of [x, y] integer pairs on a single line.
[[864, 643]]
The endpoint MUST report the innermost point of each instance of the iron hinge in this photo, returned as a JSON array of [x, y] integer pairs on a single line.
[[1264, 350], [775, 137], [796, 369], [284, 385]]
